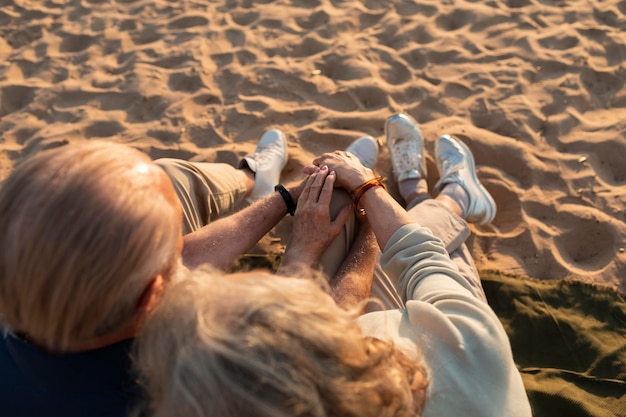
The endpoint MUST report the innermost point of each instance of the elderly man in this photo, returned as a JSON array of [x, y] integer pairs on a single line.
[[91, 235]]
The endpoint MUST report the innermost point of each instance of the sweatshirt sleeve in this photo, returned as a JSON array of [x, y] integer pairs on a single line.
[[412, 254], [460, 338]]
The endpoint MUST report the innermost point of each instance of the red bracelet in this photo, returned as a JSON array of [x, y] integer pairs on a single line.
[[358, 192]]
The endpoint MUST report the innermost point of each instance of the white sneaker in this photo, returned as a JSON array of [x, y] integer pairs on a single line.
[[366, 149], [406, 147], [267, 162], [456, 164]]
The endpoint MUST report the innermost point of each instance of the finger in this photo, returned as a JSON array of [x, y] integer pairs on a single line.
[[317, 161], [318, 183], [341, 219], [304, 196], [327, 190], [310, 169], [321, 160]]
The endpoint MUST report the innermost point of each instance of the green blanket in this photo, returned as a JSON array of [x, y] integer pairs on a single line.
[[568, 340]]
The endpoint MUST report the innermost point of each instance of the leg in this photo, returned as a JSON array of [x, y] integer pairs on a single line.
[[406, 149], [382, 287], [208, 191], [453, 231], [366, 149], [461, 196], [334, 255]]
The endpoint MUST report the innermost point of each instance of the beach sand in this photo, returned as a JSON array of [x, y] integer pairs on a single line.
[[535, 88]]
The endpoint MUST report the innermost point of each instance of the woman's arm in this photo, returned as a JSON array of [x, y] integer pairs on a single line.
[[353, 282], [388, 216]]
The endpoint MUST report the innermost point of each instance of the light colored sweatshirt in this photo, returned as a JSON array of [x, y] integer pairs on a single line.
[[465, 348]]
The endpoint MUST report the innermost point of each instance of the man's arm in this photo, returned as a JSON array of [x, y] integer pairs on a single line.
[[221, 242], [313, 229], [353, 282]]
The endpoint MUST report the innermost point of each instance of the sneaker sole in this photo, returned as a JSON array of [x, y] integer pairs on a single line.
[[478, 188]]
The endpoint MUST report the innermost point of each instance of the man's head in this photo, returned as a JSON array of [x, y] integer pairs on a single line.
[[84, 230], [259, 345]]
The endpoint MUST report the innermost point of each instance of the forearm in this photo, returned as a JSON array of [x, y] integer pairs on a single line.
[[353, 282], [387, 215], [297, 263], [221, 242]]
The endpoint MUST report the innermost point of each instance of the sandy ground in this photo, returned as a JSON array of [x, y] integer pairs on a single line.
[[536, 88]]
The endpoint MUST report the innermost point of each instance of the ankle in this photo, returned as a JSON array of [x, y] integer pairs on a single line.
[[454, 196], [450, 203], [247, 178], [411, 188]]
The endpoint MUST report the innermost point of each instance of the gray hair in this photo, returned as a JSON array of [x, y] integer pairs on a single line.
[[259, 345], [83, 228]]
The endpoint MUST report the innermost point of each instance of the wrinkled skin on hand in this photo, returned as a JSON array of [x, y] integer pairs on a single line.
[[350, 172], [313, 229]]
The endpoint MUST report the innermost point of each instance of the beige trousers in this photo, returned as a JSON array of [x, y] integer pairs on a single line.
[[208, 191]]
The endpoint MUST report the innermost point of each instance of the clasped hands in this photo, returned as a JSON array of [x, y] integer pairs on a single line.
[[313, 228]]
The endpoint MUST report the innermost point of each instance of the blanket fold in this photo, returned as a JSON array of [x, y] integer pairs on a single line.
[[568, 340]]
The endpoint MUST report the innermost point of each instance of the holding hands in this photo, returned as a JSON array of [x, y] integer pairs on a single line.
[[358, 179], [313, 228], [350, 172]]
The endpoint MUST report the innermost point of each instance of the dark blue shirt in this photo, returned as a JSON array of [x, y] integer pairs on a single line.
[[88, 384]]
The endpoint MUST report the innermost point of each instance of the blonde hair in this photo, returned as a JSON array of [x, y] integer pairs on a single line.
[[82, 230], [259, 345]]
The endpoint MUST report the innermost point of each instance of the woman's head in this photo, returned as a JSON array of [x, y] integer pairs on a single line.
[[254, 344]]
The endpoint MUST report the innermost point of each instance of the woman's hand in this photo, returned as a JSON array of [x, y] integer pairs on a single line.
[[350, 172], [313, 229]]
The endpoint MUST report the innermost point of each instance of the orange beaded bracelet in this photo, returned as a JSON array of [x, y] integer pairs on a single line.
[[358, 192]]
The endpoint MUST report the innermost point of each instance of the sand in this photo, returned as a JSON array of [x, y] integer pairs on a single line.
[[535, 88]]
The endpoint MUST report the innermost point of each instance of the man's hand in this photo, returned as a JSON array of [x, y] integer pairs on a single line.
[[313, 229], [220, 242], [350, 172]]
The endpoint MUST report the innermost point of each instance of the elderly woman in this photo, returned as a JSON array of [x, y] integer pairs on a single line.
[[253, 344]]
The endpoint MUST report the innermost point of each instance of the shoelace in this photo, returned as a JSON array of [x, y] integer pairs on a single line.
[[406, 156], [450, 165], [263, 156], [450, 168]]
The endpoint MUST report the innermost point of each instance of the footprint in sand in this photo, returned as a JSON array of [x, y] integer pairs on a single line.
[[104, 129], [587, 240], [15, 97], [187, 22]]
